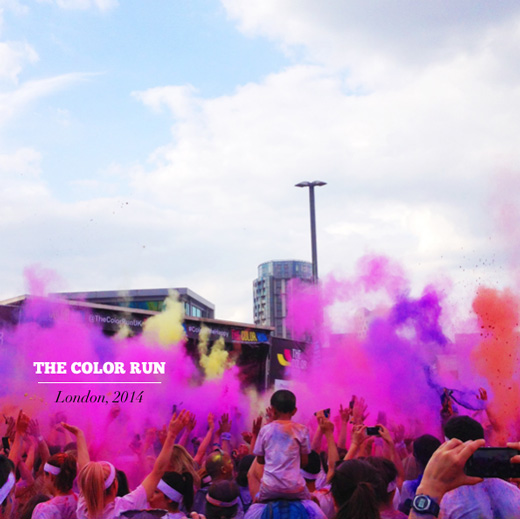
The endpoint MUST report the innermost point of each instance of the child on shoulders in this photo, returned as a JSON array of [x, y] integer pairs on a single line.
[[282, 447]]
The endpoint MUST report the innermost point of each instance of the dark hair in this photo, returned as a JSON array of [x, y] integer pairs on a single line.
[[183, 483], [325, 462], [423, 448], [283, 401], [463, 428], [6, 467], [122, 483], [243, 469], [215, 462], [388, 472], [355, 486], [225, 491], [313, 464], [71, 446], [28, 509], [68, 470]]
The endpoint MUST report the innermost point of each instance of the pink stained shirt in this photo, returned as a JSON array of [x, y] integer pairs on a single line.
[[59, 507]]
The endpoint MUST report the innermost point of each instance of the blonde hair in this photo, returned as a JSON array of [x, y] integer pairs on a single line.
[[181, 461], [92, 486]]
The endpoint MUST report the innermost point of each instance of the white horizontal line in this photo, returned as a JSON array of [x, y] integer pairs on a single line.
[[110, 382]]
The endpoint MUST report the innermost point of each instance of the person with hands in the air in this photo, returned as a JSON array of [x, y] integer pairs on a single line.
[[282, 447], [98, 483], [224, 431]]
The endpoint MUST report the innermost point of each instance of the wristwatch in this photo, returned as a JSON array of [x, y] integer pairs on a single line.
[[423, 504]]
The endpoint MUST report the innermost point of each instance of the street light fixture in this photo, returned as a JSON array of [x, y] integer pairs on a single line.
[[311, 186]]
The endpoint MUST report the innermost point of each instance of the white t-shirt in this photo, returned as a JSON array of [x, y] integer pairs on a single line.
[[136, 500], [280, 442]]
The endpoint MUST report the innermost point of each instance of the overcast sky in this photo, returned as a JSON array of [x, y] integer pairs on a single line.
[[148, 144]]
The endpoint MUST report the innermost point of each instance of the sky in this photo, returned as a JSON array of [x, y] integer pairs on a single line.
[[157, 144]]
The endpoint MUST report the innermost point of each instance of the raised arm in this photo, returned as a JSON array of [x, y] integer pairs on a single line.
[[224, 431], [257, 425], [43, 449], [356, 441], [204, 444], [161, 463], [327, 428], [391, 451], [22, 422], [317, 439], [189, 424], [344, 413], [81, 442]]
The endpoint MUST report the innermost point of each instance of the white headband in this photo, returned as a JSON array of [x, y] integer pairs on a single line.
[[223, 504], [308, 475], [111, 476], [51, 469], [391, 486], [170, 492], [6, 487]]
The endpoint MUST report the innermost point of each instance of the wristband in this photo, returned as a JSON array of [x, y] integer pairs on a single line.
[[225, 436]]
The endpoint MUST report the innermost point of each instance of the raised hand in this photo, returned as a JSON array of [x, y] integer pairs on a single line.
[[177, 423], [247, 437], [445, 470], [385, 434], [211, 421], [344, 413], [257, 425], [359, 434], [22, 422], [224, 424], [359, 411], [326, 426], [71, 428], [192, 422]]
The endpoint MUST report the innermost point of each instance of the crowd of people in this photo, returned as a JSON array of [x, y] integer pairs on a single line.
[[277, 470]]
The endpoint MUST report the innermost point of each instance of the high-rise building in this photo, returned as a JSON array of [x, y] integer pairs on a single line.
[[269, 292]]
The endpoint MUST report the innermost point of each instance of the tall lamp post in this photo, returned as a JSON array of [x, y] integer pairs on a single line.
[[311, 186]]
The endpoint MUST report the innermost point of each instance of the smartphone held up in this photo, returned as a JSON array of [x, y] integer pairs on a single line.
[[493, 462]]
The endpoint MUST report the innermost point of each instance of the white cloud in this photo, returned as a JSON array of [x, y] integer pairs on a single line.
[[408, 164], [178, 99], [14, 101], [406, 113], [13, 57], [338, 31]]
